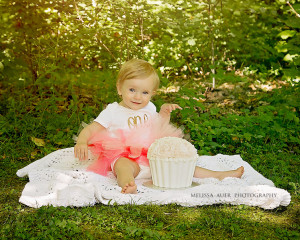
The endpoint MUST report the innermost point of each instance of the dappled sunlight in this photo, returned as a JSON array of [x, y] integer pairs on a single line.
[[235, 221], [170, 89], [267, 86], [273, 217]]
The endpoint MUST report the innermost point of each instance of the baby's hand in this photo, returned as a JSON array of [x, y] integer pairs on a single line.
[[81, 151], [167, 108]]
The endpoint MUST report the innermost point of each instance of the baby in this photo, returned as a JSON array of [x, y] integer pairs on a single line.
[[137, 82]]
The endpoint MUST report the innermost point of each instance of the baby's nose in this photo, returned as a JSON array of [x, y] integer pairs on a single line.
[[138, 95]]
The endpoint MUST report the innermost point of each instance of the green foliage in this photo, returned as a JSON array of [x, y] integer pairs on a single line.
[[272, 122], [289, 44], [255, 125], [40, 38]]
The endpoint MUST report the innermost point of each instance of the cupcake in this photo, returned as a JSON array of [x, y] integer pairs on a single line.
[[172, 162]]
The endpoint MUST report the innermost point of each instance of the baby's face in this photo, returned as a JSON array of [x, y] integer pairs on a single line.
[[136, 93]]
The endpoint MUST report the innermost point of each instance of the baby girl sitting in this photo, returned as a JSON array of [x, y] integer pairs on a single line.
[[119, 124]]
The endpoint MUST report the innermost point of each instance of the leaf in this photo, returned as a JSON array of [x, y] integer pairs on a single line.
[[33, 154], [191, 42], [234, 138], [248, 136], [281, 46], [286, 34], [289, 57], [292, 22], [214, 111], [237, 13], [38, 142]]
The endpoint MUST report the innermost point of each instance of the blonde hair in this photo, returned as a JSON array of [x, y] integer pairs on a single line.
[[137, 69]]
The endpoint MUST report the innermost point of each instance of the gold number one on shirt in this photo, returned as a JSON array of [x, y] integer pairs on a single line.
[[136, 120]]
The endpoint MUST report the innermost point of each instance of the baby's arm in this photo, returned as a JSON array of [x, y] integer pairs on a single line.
[[166, 109], [81, 147]]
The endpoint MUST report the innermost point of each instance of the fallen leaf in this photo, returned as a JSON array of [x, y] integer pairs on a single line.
[[33, 154], [37, 141]]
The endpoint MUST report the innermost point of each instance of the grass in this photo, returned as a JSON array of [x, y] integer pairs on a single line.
[[52, 112]]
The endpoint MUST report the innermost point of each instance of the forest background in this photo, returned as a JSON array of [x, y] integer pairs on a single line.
[[232, 65]]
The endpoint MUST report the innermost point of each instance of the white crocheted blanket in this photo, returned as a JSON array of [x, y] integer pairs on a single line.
[[59, 179]]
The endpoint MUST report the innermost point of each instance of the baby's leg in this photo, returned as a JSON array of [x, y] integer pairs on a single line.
[[205, 173], [126, 170]]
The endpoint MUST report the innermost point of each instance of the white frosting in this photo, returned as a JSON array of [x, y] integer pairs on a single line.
[[172, 149]]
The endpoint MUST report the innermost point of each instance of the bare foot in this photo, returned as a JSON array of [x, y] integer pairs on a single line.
[[129, 188], [237, 173]]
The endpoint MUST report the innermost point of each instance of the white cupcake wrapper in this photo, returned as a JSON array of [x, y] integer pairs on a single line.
[[172, 174]]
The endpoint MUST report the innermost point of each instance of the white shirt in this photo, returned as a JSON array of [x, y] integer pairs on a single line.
[[115, 116]]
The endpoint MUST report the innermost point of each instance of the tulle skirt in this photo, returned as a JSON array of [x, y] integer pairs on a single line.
[[109, 146]]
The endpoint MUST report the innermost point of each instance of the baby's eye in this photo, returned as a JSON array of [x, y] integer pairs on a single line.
[[131, 90], [145, 92]]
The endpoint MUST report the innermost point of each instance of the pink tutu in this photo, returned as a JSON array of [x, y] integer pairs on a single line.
[[108, 146]]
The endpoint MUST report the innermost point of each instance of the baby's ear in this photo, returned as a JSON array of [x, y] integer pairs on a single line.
[[118, 89]]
